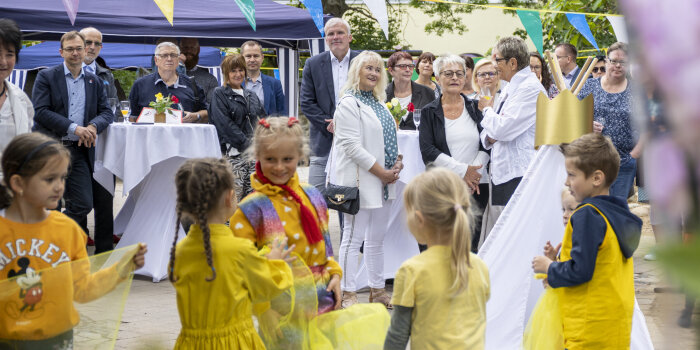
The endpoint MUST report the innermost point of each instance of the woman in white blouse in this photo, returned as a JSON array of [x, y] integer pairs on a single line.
[[365, 154], [16, 109], [449, 133]]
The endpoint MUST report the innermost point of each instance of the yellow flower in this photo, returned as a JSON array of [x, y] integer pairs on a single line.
[[159, 96], [388, 105], [395, 101]]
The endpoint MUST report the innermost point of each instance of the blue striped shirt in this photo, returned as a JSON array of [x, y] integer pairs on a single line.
[[76, 102]]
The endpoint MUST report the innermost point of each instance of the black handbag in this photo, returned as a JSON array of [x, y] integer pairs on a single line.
[[342, 198]]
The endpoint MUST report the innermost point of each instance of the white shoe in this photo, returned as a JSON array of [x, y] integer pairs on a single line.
[[650, 257]]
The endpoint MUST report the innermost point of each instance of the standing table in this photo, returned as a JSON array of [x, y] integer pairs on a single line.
[[146, 158]]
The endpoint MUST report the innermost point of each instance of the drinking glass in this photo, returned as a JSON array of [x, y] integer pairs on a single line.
[[126, 109], [486, 92], [416, 118]]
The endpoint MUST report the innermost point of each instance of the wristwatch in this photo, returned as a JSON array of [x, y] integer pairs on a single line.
[[199, 117]]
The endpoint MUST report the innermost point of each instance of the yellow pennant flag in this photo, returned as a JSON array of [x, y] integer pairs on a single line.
[[167, 7]]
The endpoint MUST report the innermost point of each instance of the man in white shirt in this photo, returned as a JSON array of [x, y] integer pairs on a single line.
[[509, 127], [566, 55]]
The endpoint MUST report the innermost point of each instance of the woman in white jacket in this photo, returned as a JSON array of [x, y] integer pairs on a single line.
[[365, 154], [16, 110]]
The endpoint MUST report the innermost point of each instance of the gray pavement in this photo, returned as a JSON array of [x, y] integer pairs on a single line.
[[151, 321]]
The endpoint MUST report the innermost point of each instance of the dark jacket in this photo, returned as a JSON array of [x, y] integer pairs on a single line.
[[317, 100], [587, 236], [50, 100], [420, 96], [275, 104], [234, 116], [431, 136], [108, 80]]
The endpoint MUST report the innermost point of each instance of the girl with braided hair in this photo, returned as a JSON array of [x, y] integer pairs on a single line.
[[215, 294], [282, 206]]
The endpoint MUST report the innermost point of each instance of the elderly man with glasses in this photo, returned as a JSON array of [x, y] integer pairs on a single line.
[[167, 81], [509, 125]]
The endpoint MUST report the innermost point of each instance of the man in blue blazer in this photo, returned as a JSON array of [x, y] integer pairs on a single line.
[[268, 89], [323, 77], [71, 105]]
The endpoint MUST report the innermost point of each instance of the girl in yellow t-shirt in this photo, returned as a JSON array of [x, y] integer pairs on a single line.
[[440, 295], [217, 276], [42, 251]]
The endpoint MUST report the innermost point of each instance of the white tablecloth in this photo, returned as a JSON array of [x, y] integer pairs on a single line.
[[399, 243], [146, 158]]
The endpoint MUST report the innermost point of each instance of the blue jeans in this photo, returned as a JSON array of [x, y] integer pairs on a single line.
[[625, 179]]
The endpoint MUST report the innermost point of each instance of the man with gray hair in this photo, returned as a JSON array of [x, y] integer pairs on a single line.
[[167, 81], [509, 125]]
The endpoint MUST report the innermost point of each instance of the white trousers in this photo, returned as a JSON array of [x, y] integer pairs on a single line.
[[368, 225]]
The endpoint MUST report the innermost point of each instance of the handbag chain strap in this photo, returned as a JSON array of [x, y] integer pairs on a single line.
[[328, 175]]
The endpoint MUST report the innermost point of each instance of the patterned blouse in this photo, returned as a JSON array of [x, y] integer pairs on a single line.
[[614, 111], [391, 148]]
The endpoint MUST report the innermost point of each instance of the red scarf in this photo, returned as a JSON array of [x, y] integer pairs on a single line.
[[308, 222]]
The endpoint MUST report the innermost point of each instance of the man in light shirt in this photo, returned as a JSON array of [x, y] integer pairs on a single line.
[[323, 77], [267, 88], [509, 125], [566, 55]]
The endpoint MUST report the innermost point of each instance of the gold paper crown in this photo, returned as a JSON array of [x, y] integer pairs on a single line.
[[563, 119]]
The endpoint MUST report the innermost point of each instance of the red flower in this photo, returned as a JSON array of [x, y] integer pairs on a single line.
[[175, 99], [410, 107]]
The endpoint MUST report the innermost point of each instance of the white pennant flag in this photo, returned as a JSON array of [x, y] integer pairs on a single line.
[[378, 9], [618, 24]]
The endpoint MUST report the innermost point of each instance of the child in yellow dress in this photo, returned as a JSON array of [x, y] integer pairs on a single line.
[[43, 251], [281, 206], [440, 295], [595, 273], [217, 276]]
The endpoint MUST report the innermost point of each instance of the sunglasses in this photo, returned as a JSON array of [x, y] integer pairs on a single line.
[[596, 69]]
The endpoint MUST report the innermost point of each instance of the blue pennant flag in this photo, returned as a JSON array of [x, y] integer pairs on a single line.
[[316, 10], [579, 22]]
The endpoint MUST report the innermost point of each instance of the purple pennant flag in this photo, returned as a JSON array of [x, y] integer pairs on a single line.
[[71, 9]]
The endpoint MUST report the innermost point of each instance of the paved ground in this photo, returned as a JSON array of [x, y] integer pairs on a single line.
[[151, 321]]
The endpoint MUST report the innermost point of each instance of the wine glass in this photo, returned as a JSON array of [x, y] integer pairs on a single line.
[[416, 118], [126, 109]]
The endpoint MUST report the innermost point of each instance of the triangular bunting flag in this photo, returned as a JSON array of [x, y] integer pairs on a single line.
[[579, 22], [618, 24], [71, 9], [167, 7], [533, 25], [248, 9], [316, 10], [378, 10]]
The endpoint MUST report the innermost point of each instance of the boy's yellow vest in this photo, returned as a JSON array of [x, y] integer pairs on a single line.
[[598, 314]]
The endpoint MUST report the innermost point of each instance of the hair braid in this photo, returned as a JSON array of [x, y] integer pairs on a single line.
[[171, 264], [208, 188]]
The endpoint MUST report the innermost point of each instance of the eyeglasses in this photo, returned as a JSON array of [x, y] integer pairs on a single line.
[[73, 49], [168, 55], [500, 59], [405, 66], [596, 69], [449, 74], [90, 43], [617, 62], [536, 67], [486, 74], [372, 69]]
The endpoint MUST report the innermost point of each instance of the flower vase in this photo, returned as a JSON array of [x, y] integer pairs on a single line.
[[159, 118]]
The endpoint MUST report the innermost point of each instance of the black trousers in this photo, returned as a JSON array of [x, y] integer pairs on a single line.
[[103, 203], [78, 192], [480, 202]]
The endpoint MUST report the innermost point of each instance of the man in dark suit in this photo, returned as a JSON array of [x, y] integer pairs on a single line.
[[102, 199], [323, 77], [71, 105], [268, 89]]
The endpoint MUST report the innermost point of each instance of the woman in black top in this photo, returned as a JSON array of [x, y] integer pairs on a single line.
[[235, 112]]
